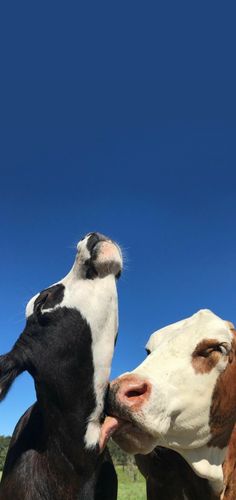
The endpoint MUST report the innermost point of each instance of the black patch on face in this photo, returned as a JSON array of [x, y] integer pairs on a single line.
[[91, 272], [50, 297], [92, 241]]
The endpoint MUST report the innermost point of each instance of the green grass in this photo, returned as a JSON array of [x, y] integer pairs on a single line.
[[131, 484]]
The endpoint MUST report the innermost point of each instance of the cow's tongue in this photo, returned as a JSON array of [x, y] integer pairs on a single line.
[[109, 426]]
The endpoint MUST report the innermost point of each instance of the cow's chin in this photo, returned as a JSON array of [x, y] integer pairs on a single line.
[[133, 440]]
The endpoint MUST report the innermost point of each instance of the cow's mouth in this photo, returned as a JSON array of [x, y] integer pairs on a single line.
[[128, 435], [125, 426], [109, 427], [106, 258]]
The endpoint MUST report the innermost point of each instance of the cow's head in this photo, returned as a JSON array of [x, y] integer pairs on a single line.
[[183, 396], [69, 337]]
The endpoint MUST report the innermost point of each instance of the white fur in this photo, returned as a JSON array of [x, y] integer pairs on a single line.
[[207, 463]]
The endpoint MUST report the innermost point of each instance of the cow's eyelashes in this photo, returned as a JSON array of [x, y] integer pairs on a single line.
[[148, 351], [221, 348]]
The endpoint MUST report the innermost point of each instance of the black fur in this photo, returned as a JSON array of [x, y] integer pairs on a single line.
[[50, 297], [168, 476], [47, 458], [94, 238], [9, 369]]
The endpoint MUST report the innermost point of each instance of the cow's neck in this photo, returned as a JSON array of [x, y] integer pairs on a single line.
[[64, 430], [207, 462], [64, 467], [170, 477]]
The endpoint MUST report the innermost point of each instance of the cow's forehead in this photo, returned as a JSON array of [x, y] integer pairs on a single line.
[[190, 331]]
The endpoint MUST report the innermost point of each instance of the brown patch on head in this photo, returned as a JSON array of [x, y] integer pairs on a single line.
[[206, 356], [223, 407]]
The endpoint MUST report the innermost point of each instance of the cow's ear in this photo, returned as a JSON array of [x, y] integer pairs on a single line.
[[49, 298], [10, 368], [40, 303]]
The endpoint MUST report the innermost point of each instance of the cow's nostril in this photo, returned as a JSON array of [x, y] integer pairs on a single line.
[[135, 392], [92, 241]]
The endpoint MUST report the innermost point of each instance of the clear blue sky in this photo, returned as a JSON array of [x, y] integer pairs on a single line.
[[121, 118]]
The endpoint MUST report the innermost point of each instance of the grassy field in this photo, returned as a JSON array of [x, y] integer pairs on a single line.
[[131, 485], [128, 489]]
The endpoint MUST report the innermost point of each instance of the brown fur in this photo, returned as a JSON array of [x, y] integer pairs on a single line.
[[229, 469], [204, 358], [223, 408]]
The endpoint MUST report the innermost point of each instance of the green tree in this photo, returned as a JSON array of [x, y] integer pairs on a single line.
[[4, 443], [119, 456]]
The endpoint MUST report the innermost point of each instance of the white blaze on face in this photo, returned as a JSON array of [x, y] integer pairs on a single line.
[[96, 300]]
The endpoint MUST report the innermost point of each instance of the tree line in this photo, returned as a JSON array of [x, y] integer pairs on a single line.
[[4, 443], [118, 455]]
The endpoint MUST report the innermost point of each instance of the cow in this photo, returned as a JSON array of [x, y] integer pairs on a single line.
[[67, 347], [177, 411]]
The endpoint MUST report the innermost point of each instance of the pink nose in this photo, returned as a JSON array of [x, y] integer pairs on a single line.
[[131, 390]]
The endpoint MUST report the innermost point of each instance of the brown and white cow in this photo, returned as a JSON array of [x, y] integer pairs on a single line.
[[178, 408]]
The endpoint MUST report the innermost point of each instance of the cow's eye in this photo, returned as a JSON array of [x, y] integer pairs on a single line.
[[148, 351], [222, 348]]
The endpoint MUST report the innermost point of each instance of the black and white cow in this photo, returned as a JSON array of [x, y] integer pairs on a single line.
[[67, 347], [178, 409]]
